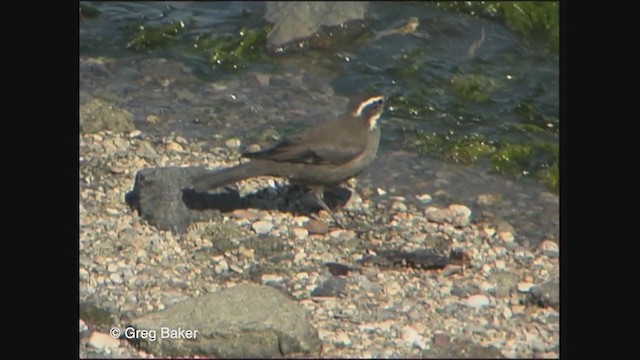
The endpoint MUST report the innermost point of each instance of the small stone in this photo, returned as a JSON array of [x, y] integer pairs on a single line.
[[500, 265], [247, 214], [271, 278], [487, 199], [152, 119], [253, 148], [300, 233], [477, 301], [392, 287], [221, 267], [317, 227], [489, 231], [381, 191], [112, 268], [506, 236], [173, 146], [424, 198], [409, 335], [232, 143], [115, 278], [236, 268], [507, 313], [262, 227], [549, 248], [342, 339], [460, 214], [524, 287], [399, 206], [102, 341], [135, 134], [112, 211], [84, 274], [441, 340]]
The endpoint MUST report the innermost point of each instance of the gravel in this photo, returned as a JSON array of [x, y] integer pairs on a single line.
[[502, 302]]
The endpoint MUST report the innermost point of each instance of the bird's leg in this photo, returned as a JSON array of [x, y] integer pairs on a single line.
[[318, 194]]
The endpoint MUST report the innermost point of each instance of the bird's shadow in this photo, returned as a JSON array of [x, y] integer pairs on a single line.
[[294, 199]]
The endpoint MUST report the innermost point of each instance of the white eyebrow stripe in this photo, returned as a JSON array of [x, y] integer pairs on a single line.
[[366, 103]]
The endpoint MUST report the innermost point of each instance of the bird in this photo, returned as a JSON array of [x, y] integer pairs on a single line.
[[325, 155]]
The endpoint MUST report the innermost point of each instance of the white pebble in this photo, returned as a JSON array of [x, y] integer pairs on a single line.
[[477, 301]]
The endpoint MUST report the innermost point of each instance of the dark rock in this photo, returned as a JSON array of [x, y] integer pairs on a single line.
[[246, 321], [161, 196], [547, 294], [298, 20], [334, 287], [337, 269], [463, 349], [97, 115]]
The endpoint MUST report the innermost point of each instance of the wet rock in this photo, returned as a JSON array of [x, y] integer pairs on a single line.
[[97, 115], [241, 322], [297, 20]]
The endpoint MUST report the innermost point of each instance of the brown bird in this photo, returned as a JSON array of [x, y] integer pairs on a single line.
[[326, 155]]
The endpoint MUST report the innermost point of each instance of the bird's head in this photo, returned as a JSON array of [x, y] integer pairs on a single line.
[[368, 107]]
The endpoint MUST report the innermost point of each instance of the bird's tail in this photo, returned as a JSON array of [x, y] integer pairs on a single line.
[[227, 176]]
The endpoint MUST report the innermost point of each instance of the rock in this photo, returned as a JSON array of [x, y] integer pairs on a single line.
[[262, 227], [162, 197], [524, 287], [477, 301], [333, 287], [300, 233], [233, 143], [456, 215], [549, 248], [296, 20], [506, 236], [102, 341], [424, 198], [98, 115], [146, 150], [240, 322], [248, 214], [441, 340], [547, 294], [317, 227], [342, 339]]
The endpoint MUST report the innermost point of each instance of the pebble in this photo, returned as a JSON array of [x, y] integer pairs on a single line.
[[173, 146], [549, 248], [507, 313], [232, 143], [409, 335], [247, 214], [342, 338], [317, 227], [135, 134], [115, 278], [506, 236], [262, 227], [500, 265], [267, 278], [392, 287], [300, 233], [381, 191], [424, 198], [102, 341], [525, 287], [441, 340], [112, 268], [477, 301]]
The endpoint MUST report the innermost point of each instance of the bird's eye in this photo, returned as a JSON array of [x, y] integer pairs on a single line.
[[379, 102]]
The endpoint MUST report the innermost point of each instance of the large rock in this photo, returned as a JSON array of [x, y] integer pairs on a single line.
[[162, 197], [99, 115], [300, 19], [246, 321]]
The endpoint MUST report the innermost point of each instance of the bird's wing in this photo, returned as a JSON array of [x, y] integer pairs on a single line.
[[318, 153]]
